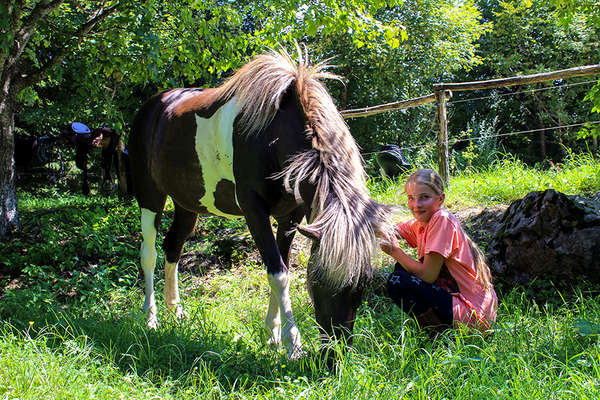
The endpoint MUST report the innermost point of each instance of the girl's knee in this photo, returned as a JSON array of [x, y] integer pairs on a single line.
[[397, 286]]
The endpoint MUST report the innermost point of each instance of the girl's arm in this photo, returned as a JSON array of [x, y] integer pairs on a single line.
[[428, 270]]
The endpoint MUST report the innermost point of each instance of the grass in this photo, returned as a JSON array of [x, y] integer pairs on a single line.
[[71, 325], [504, 181]]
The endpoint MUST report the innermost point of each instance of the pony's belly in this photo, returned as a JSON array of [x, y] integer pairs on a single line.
[[182, 184]]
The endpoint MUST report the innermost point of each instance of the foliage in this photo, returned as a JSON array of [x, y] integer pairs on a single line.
[[441, 40], [482, 148], [72, 249], [385, 50], [145, 47], [527, 39], [568, 10], [592, 129]]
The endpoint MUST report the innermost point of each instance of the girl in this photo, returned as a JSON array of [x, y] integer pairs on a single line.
[[451, 281]]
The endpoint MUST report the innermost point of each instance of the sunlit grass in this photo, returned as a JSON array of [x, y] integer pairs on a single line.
[[510, 179], [71, 325], [504, 181], [219, 352]]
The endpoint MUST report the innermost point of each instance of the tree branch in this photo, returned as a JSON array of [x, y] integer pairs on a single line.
[[30, 23], [61, 54]]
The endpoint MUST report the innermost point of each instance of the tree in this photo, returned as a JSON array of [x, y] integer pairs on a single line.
[[527, 39], [115, 49], [30, 48]]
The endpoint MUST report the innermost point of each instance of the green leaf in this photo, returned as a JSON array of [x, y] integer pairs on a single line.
[[587, 328]]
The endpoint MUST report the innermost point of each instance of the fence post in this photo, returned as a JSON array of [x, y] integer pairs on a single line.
[[442, 145]]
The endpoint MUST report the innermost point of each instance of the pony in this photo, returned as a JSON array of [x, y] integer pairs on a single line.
[[110, 144], [268, 142], [85, 141]]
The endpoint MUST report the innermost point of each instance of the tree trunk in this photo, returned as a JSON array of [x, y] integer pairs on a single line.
[[9, 215]]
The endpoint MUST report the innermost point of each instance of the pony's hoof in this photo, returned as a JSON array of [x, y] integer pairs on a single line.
[[296, 354], [152, 323], [178, 311], [274, 342]]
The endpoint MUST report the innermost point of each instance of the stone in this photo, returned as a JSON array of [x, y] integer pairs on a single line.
[[547, 235]]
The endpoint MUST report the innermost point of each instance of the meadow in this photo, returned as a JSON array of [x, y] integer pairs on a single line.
[[71, 325]]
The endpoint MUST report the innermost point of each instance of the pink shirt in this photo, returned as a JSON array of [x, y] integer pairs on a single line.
[[473, 305]]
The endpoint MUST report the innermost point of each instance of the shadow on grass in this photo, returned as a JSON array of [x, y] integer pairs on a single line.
[[192, 349]]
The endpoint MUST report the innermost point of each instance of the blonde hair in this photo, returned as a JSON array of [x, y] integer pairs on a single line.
[[431, 179]]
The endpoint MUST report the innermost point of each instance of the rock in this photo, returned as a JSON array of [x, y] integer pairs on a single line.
[[547, 236]]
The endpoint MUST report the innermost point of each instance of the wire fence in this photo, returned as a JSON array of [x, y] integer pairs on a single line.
[[555, 87]]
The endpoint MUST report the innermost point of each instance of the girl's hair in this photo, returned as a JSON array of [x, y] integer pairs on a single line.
[[431, 179]]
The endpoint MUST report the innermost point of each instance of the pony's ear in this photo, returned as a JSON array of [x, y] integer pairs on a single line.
[[311, 233]]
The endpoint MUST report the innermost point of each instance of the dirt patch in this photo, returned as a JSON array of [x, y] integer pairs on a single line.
[[481, 223]]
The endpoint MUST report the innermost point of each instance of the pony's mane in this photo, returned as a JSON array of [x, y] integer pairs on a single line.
[[341, 209]]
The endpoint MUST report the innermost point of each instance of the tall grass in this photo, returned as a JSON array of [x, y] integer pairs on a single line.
[[71, 325], [219, 353], [504, 181]]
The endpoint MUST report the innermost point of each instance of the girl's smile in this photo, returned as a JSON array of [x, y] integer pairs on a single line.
[[423, 201]]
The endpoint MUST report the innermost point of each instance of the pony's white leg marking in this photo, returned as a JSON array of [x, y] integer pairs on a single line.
[[273, 320], [290, 336], [148, 261], [172, 289]]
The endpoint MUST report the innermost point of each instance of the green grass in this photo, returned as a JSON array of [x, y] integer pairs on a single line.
[[504, 181], [71, 325]]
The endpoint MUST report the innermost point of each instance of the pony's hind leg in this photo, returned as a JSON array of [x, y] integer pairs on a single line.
[[184, 223], [273, 321], [149, 221]]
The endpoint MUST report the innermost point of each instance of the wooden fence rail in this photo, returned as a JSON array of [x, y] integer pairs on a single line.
[[520, 80], [398, 105], [443, 91]]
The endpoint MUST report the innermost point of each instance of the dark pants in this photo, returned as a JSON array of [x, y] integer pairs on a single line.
[[415, 296]]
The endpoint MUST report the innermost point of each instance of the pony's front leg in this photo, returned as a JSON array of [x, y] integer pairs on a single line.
[[148, 261], [285, 235], [257, 217], [290, 335], [273, 320]]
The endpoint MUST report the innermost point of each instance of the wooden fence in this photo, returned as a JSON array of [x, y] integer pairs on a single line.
[[443, 91]]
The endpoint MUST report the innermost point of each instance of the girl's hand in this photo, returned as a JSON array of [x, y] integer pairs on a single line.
[[389, 244]]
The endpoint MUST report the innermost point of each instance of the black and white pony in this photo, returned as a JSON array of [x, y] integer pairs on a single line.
[[268, 142], [85, 141]]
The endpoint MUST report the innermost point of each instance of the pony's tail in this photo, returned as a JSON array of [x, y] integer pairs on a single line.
[[483, 275]]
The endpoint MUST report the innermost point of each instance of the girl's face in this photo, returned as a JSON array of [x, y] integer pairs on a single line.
[[423, 202]]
